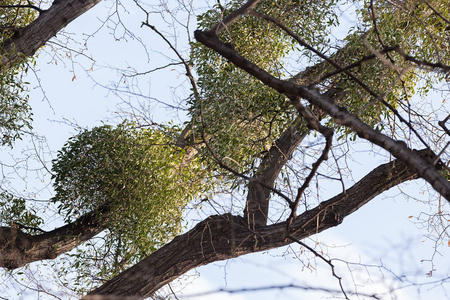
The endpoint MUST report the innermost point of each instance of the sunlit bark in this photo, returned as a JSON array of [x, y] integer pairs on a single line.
[[226, 236], [26, 41]]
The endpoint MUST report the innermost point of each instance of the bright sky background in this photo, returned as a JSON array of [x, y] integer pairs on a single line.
[[383, 228]]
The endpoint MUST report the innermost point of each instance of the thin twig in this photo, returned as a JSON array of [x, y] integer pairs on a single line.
[[327, 132], [421, 63], [23, 6], [436, 12], [355, 64], [185, 63], [337, 66], [328, 261]]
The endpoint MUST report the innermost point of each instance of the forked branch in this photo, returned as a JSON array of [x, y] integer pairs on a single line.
[[340, 115], [226, 236]]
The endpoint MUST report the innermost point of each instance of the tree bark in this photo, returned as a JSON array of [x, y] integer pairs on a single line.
[[257, 205], [18, 249], [29, 39], [226, 236], [340, 115]]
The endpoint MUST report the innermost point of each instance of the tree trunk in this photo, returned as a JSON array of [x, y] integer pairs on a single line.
[[257, 204], [28, 40], [18, 249], [226, 236]]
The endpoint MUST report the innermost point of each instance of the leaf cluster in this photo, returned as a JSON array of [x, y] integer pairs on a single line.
[[15, 112], [14, 15], [13, 212], [240, 116], [133, 178]]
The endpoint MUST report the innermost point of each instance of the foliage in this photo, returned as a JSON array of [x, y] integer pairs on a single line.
[[13, 212], [13, 18], [251, 125], [412, 26], [134, 179], [255, 114], [264, 113], [137, 182], [15, 112]]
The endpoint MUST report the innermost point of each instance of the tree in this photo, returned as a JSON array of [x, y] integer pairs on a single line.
[[250, 111], [26, 40]]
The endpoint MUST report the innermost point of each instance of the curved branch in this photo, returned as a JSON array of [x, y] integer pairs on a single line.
[[226, 236], [18, 249], [257, 204], [28, 40], [340, 115], [23, 6]]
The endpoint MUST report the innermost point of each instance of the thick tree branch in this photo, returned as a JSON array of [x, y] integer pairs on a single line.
[[327, 132], [27, 40], [234, 16], [345, 70], [257, 205], [340, 115], [18, 249], [226, 236]]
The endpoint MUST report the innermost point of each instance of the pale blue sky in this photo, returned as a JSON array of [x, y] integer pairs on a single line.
[[383, 228]]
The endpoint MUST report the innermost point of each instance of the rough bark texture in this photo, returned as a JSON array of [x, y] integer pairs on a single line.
[[18, 249], [29, 39], [339, 114], [257, 205], [226, 236]]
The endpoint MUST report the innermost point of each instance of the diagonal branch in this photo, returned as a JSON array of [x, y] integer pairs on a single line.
[[18, 249], [226, 236], [261, 184], [327, 132], [257, 205], [340, 114], [339, 68], [28, 40], [234, 16]]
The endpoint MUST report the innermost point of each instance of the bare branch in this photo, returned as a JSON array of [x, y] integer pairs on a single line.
[[225, 236], [40, 31], [23, 6], [355, 64], [18, 248], [423, 63], [234, 16], [442, 124], [313, 123], [333, 272], [184, 62], [340, 114]]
